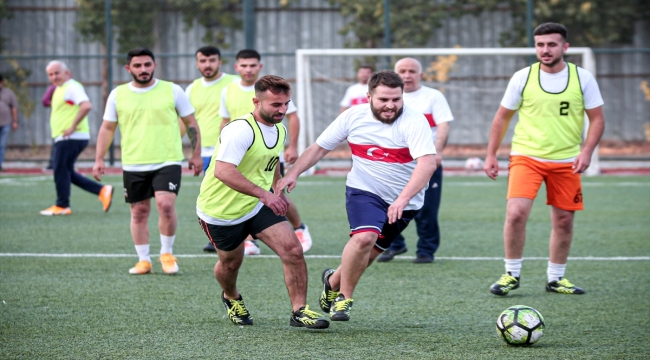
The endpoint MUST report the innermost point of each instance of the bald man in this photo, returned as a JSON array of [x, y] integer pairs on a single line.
[[434, 106]]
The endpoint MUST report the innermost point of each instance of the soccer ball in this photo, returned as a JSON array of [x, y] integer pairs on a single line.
[[474, 163], [520, 325]]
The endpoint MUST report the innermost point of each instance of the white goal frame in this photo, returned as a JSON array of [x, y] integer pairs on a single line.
[[303, 78]]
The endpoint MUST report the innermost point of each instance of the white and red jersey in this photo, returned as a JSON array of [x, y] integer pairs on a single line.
[[383, 155], [355, 95], [432, 103]]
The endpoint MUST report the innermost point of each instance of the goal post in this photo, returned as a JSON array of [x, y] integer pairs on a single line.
[[305, 79]]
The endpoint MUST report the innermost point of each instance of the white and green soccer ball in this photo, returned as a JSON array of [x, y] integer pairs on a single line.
[[520, 325]]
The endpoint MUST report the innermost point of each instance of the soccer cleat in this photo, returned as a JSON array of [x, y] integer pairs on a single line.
[[209, 248], [169, 264], [56, 210], [341, 307], [504, 285], [389, 254], [328, 295], [106, 197], [564, 286], [237, 312], [305, 238], [251, 248], [141, 268], [304, 317]]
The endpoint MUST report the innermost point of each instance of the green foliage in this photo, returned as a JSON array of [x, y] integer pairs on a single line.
[[214, 15], [16, 80], [4, 14]]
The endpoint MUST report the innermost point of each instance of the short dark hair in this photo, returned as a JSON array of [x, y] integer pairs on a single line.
[[139, 52], [552, 28], [387, 78], [248, 54], [272, 83], [208, 51], [369, 67]]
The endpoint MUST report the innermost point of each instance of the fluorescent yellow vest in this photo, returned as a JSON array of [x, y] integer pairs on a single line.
[[206, 100], [239, 102], [149, 125], [550, 125], [218, 200], [63, 114]]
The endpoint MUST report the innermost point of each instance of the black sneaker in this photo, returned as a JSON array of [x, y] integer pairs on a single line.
[[328, 295], [209, 247], [341, 307], [237, 311], [304, 317], [422, 259], [504, 285], [389, 254], [564, 286]]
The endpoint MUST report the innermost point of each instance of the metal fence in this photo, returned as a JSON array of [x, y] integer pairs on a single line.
[[42, 30]]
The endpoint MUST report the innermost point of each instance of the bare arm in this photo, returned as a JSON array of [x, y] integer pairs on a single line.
[[595, 132], [104, 139], [441, 140], [192, 128], [291, 152], [84, 109], [230, 175], [308, 159], [14, 114], [497, 132], [423, 171]]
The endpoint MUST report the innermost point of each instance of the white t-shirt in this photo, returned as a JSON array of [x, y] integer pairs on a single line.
[[383, 156], [183, 108], [74, 94], [432, 103], [223, 111], [553, 83], [355, 95]]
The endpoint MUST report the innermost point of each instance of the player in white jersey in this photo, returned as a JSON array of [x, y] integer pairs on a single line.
[[392, 161], [358, 93], [434, 106]]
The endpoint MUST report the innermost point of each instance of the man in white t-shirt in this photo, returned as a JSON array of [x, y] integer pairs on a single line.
[[358, 93], [392, 162], [70, 134], [147, 111], [434, 106], [552, 97]]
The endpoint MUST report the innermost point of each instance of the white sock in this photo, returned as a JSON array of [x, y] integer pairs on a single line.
[[513, 266], [555, 272], [166, 243], [143, 252]]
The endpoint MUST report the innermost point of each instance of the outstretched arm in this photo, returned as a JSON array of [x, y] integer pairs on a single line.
[[497, 132], [308, 159], [291, 152]]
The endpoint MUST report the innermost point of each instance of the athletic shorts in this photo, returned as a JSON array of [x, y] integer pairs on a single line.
[[369, 212], [563, 187], [229, 237], [142, 185]]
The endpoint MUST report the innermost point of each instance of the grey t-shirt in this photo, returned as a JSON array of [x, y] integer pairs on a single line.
[[8, 101]]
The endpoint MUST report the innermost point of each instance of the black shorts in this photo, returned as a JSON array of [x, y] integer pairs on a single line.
[[142, 185], [229, 237]]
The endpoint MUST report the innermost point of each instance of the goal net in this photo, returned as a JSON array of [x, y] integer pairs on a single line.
[[472, 79]]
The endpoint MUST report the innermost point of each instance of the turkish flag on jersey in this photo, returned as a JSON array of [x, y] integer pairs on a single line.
[[378, 153]]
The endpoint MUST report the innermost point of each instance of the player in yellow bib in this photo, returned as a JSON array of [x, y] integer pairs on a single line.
[[235, 201], [147, 111], [552, 97], [236, 101]]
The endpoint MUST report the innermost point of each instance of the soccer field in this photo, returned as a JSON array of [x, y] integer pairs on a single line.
[[66, 291]]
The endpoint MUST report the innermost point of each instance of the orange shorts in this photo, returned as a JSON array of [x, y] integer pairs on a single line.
[[563, 187]]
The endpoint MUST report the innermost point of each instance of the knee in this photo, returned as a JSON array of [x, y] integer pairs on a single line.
[[516, 217], [166, 209], [139, 216], [564, 223], [364, 240]]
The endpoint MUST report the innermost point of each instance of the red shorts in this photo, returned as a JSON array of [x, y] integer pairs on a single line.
[[563, 187]]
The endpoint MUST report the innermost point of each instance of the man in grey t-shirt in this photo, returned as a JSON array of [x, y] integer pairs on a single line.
[[8, 117]]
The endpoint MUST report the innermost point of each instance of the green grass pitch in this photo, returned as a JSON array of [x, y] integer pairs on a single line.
[[88, 307]]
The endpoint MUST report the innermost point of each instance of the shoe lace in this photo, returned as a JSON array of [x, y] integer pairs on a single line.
[[237, 307], [506, 280], [331, 295], [168, 259], [342, 305], [309, 313], [566, 283]]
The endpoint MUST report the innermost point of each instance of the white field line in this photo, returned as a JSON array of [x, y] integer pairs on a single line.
[[453, 258]]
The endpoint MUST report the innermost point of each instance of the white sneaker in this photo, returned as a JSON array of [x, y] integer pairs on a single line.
[[250, 248], [304, 237]]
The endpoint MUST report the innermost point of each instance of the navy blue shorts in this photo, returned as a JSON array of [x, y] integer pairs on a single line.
[[368, 212]]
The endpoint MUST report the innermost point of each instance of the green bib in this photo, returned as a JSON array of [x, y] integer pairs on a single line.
[[239, 102], [219, 201], [149, 125], [550, 124], [63, 113], [206, 100]]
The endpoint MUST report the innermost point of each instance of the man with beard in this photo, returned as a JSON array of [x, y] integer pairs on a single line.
[[237, 202], [147, 111], [392, 162], [552, 97], [205, 96]]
